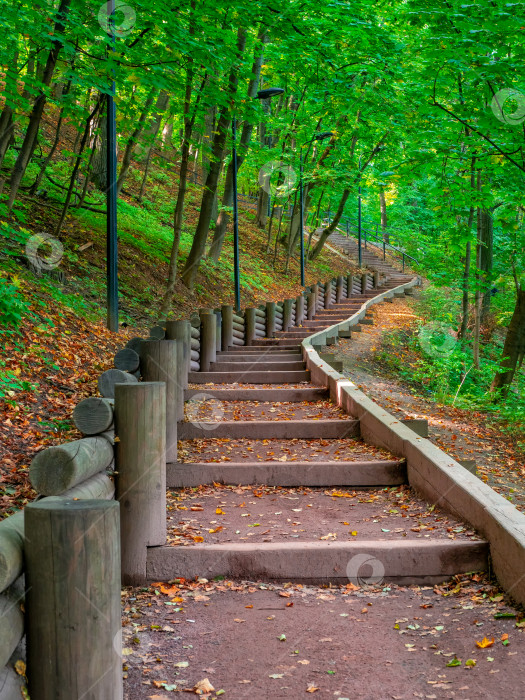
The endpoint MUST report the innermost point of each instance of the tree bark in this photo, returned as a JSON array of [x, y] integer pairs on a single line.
[[331, 228], [191, 268], [514, 348], [38, 108], [384, 220], [132, 141]]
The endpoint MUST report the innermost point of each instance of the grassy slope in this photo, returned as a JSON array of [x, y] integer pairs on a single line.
[[62, 345]]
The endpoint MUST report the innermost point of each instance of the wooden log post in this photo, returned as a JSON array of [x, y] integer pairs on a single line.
[[227, 326], [328, 295], [314, 289], [208, 339], [159, 363], [249, 320], [134, 344], [157, 333], [58, 468], [181, 331], [310, 305], [140, 421], [93, 415], [287, 314], [364, 279], [339, 290], [270, 319], [218, 329], [376, 279], [299, 310], [108, 379], [73, 599], [350, 286], [127, 360]]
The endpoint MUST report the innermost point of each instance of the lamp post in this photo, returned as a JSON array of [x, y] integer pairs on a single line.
[[317, 137], [359, 218], [111, 194], [261, 95]]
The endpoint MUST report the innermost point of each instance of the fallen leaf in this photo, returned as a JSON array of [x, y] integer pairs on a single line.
[[312, 688], [203, 687], [485, 643]]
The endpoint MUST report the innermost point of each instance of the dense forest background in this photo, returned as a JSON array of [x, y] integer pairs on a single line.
[[422, 104]]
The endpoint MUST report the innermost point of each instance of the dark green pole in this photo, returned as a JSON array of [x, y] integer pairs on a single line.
[[111, 197], [301, 215], [236, 268], [359, 218]]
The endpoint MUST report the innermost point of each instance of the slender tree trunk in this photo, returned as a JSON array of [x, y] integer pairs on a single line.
[[191, 268], [38, 108], [487, 257], [331, 228], [514, 348], [246, 135], [133, 139], [384, 220]]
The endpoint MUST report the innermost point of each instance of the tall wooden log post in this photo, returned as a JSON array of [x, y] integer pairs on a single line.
[[310, 305], [208, 339], [299, 310], [315, 291], [72, 553], [339, 290], [227, 326], [181, 331], [140, 422], [249, 320], [328, 295], [287, 314], [159, 363], [350, 286], [270, 319], [218, 329], [376, 279], [364, 279]]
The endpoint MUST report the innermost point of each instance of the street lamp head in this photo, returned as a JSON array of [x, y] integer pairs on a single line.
[[323, 135], [269, 92]]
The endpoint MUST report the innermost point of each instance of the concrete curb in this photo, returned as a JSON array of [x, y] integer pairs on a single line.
[[431, 472]]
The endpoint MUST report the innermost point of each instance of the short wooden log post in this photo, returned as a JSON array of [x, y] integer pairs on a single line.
[[140, 421], [299, 310], [208, 339], [376, 279], [181, 331], [270, 319], [249, 321], [218, 329], [339, 290], [227, 326], [310, 305], [73, 584], [350, 286], [364, 279], [159, 363], [315, 291], [287, 314], [328, 295]]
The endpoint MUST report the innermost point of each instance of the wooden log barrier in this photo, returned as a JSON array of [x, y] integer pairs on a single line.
[[218, 329], [364, 282], [328, 295], [227, 326], [12, 629], [160, 364], [108, 379], [340, 289], [58, 468], [140, 420], [299, 310], [250, 318], [73, 600], [287, 313], [270, 319], [310, 305], [157, 333], [93, 415], [208, 339], [127, 360], [181, 331], [134, 344]]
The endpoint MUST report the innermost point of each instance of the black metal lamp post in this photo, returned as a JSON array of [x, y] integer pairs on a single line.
[[111, 196], [317, 137], [360, 253], [261, 95]]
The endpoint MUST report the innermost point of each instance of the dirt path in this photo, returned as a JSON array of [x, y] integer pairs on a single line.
[[465, 435]]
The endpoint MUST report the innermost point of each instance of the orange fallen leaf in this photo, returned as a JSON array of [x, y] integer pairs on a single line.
[[485, 643], [203, 687]]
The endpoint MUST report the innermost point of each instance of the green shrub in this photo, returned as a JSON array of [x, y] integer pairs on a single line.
[[12, 305]]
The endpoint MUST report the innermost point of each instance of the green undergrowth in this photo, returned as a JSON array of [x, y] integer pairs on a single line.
[[430, 357]]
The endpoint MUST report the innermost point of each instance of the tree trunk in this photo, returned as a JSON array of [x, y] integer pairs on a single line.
[[38, 108], [514, 348], [331, 228], [191, 268], [384, 222], [132, 141], [487, 256], [246, 135]]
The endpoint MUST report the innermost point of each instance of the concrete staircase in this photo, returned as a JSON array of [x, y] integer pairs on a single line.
[[371, 255], [280, 486]]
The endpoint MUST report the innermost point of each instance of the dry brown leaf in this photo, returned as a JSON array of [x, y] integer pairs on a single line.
[[203, 687]]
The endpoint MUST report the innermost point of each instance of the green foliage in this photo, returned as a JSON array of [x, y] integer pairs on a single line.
[[13, 307]]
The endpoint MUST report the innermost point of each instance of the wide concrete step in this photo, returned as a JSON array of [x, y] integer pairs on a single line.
[[274, 473], [257, 356], [298, 394], [268, 429], [404, 562], [259, 365], [252, 377], [258, 350]]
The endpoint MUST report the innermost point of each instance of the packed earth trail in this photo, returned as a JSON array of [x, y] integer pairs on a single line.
[[300, 561]]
